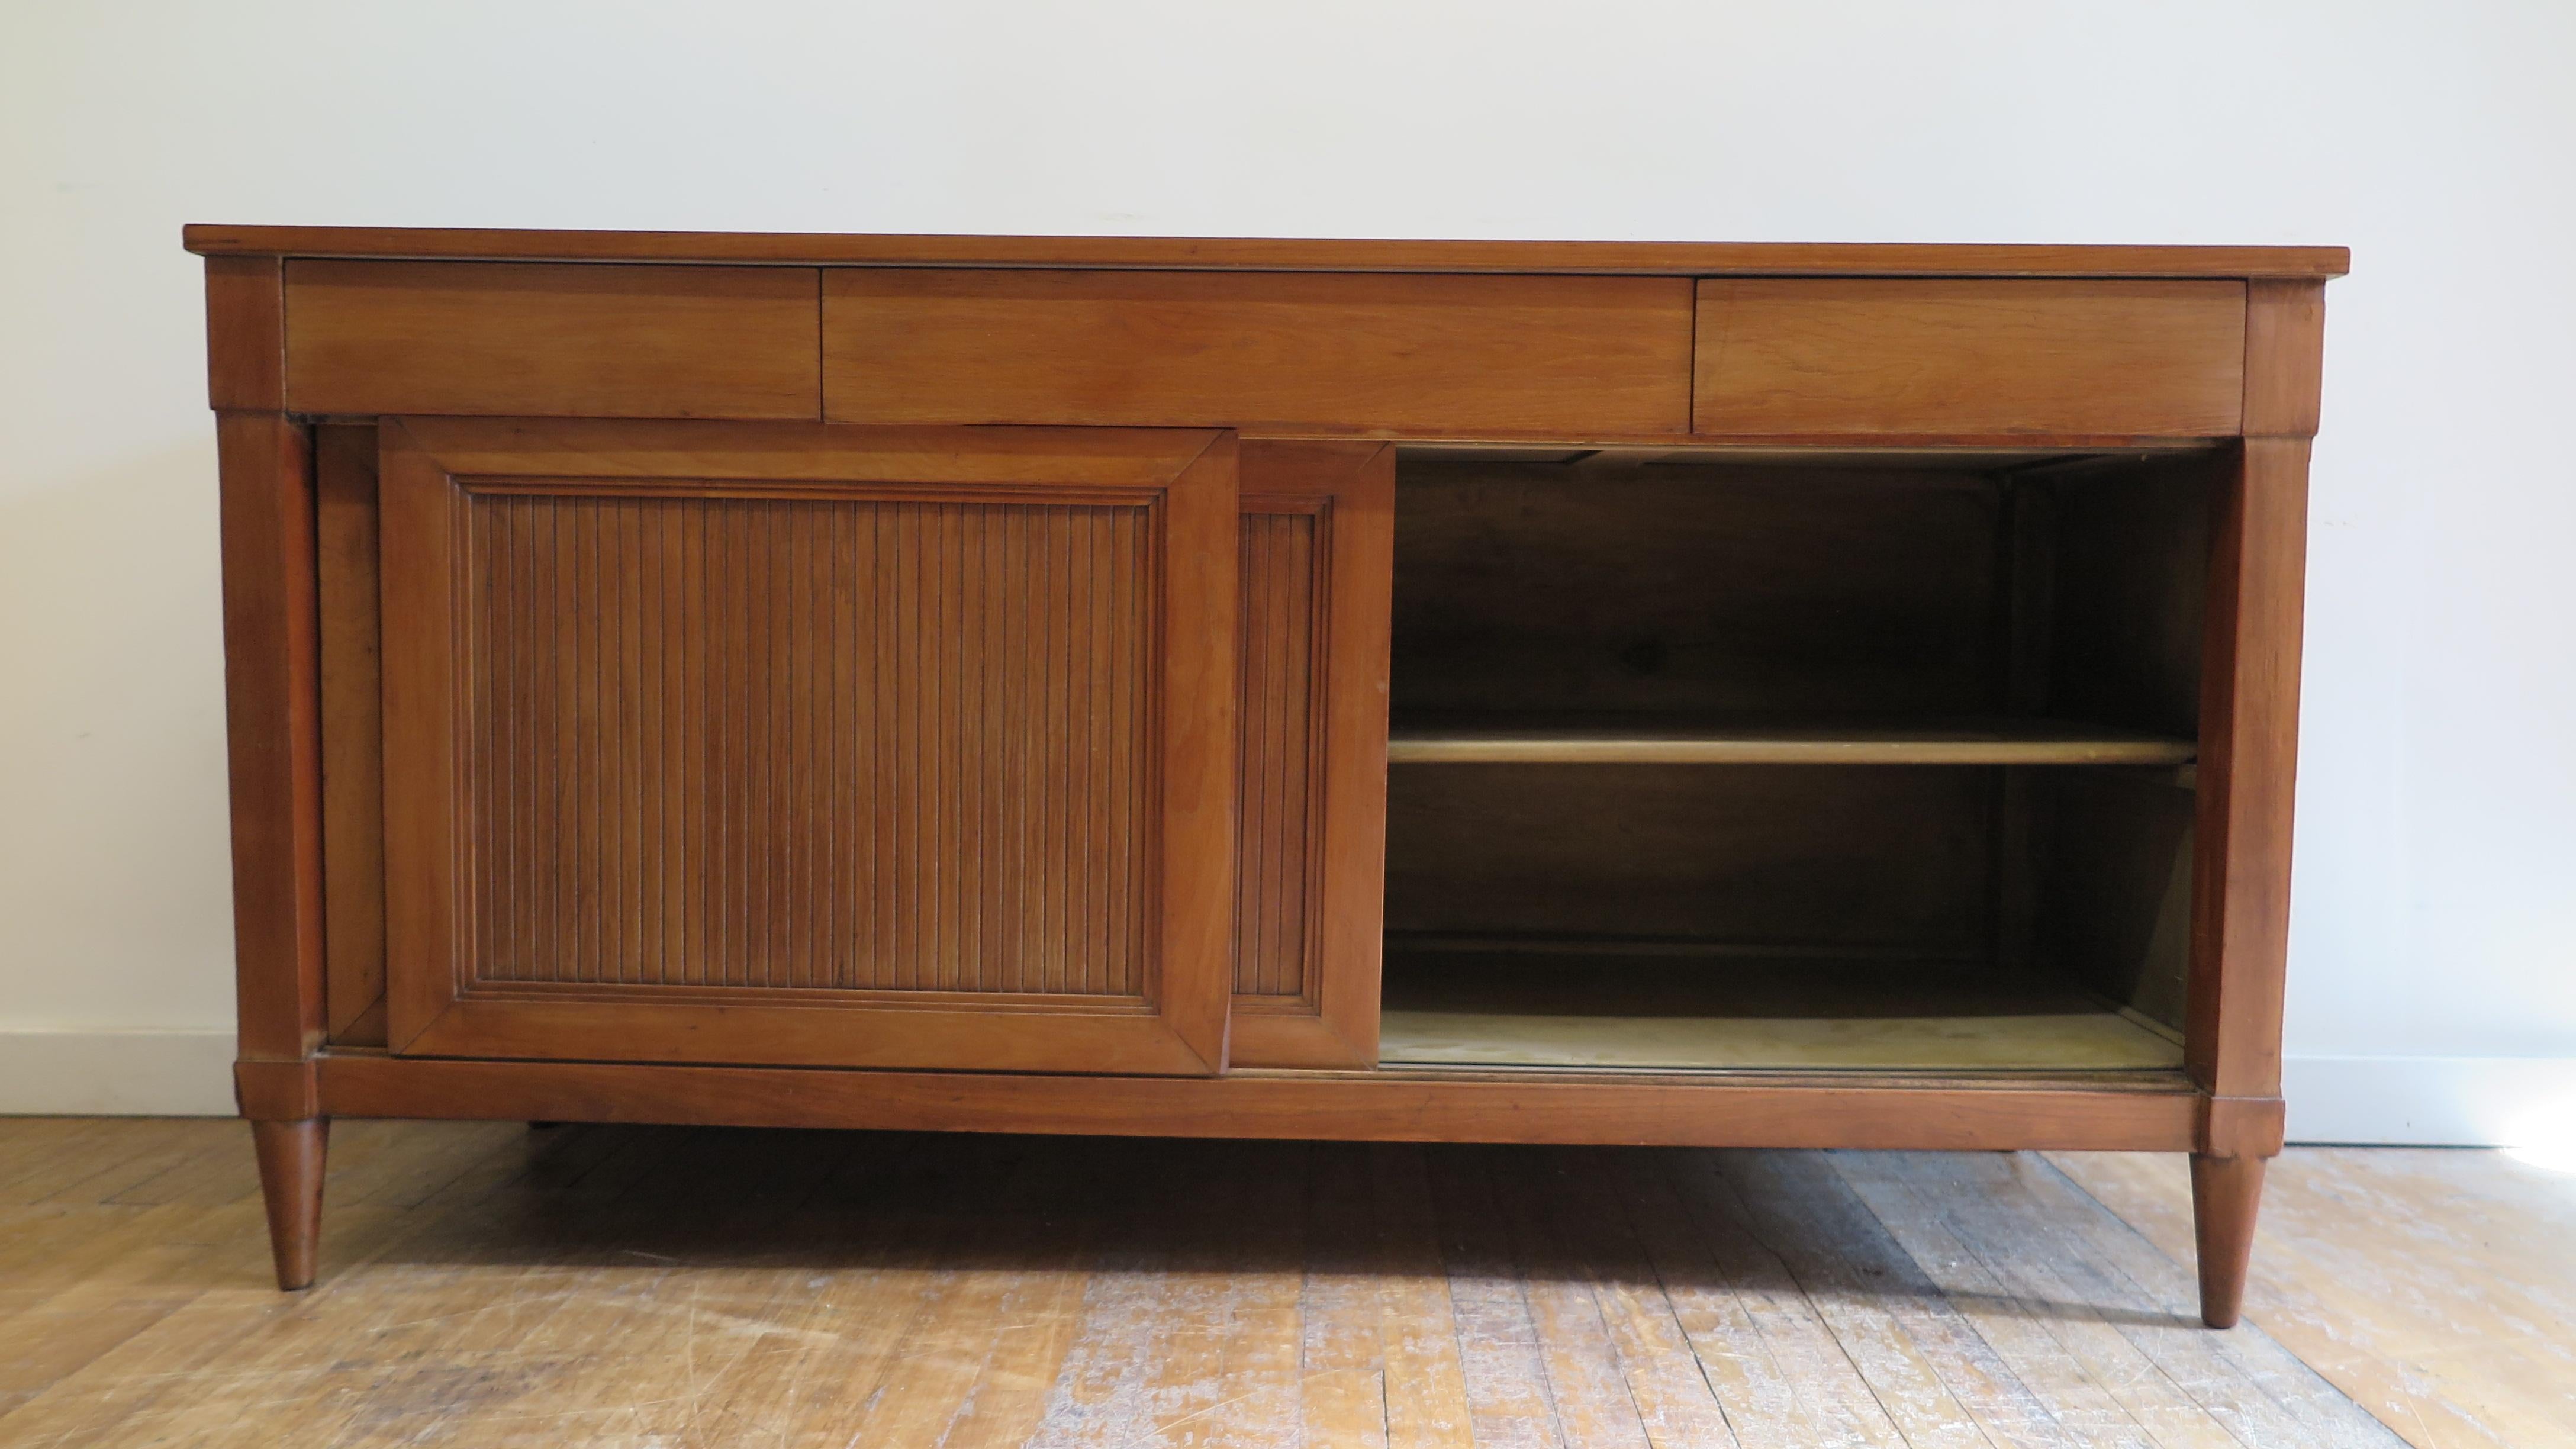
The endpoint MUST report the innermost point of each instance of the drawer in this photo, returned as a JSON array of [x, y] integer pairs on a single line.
[[1331, 352], [1873, 356], [552, 339]]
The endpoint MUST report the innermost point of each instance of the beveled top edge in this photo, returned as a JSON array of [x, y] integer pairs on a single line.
[[1749, 259]]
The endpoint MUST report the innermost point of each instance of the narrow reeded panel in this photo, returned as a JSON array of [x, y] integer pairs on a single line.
[[1279, 787], [809, 744]]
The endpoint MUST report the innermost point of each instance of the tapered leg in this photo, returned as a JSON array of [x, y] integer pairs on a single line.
[[2224, 1194], [290, 1179]]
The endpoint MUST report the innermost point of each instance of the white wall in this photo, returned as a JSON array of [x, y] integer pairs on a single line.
[[2434, 978]]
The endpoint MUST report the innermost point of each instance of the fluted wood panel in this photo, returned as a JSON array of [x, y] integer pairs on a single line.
[[1279, 795], [811, 744]]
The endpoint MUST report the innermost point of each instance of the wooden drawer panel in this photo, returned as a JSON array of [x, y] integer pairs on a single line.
[[1853, 356], [552, 340], [1330, 351]]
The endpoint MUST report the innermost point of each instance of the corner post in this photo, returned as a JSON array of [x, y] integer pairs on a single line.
[[272, 713], [2249, 737]]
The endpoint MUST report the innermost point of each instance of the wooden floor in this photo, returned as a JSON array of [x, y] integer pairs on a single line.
[[492, 1285]]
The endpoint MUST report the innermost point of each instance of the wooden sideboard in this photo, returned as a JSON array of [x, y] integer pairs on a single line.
[[1792, 696]]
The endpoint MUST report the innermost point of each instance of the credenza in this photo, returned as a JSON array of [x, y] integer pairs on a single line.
[[1658, 694]]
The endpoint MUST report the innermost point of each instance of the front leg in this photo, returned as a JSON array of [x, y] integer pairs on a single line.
[[290, 1181], [2225, 1192]]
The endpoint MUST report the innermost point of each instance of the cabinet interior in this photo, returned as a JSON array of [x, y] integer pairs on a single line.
[[1795, 762]]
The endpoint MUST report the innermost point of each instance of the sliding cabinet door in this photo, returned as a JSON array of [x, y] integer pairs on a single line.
[[1318, 545], [801, 744]]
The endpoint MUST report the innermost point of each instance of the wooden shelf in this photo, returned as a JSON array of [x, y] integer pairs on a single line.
[[1575, 1009], [1630, 742]]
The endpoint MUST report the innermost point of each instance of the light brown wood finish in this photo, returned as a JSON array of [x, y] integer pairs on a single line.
[[2224, 1194], [245, 333], [893, 1289], [353, 813], [1277, 253], [2249, 762], [1859, 356], [290, 1180], [661, 643], [1671, 1010], [1975, 742], [735, 741], [560, 341], [2249, 755], [1327, 354], [1318, 521], [2428, 1284], [1940, 387], [1971, 1113], [2285, 344], [272, 710]]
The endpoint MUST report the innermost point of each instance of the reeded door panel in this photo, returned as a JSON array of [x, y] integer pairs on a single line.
[[799, 744]]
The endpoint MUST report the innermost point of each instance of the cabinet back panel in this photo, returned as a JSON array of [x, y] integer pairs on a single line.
[[1538, 588], [1783, 856], [848, 744]]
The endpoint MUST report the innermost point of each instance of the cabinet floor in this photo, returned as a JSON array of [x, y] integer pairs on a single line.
[[1570, 1009], [489, 1284]]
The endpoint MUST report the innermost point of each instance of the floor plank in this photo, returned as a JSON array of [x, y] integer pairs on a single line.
[[2434, 1286], [491, 1285]]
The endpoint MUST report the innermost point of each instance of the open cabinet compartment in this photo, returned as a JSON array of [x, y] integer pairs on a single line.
[[1873, 761]]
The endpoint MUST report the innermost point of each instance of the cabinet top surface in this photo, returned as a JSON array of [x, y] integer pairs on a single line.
[[1277, 254]]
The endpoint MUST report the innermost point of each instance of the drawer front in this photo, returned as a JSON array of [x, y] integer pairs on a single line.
[[1426, 355], [1999, 357], [552, 340]]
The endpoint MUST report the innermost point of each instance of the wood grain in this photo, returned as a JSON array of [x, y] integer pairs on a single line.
[[2225, 1191], [1325, 353], [804, 769], [1281, 794], [532, 568], [838, 743], [1976, 357], [353, 813], [2285, 343], [1278, 254], [447, 337], [2406, 1276], [800, 1288], [1318, 519], [272, 709], [2248, 771], [245, 333], [290, 1176], [1755, 1110], [1740, 1011], [1978, 742]]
